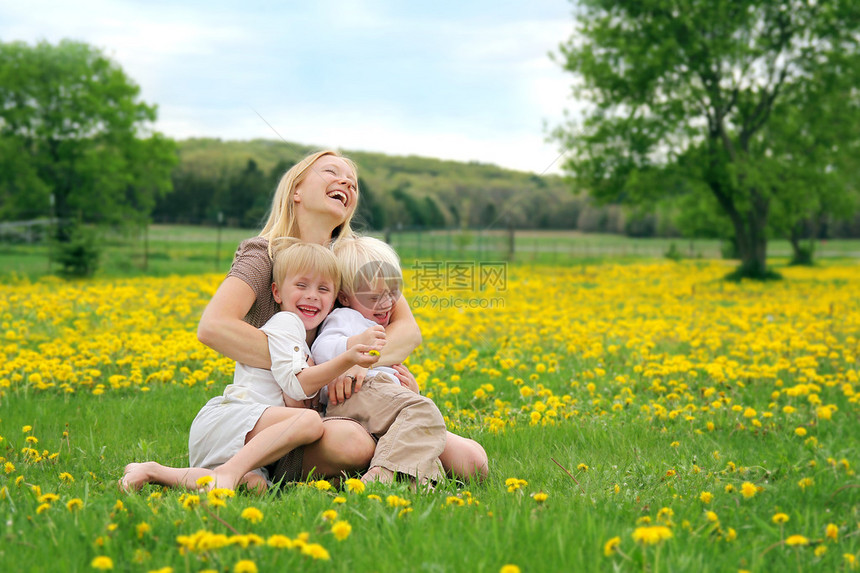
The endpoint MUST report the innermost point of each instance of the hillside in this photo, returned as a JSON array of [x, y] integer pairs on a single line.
[[238, 177]]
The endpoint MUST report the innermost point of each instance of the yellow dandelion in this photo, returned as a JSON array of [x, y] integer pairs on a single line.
[[354, 485], [26, 429], [652, 534], [800, 431], [102, 563], [611, 546], [341, 530], [513, 484], [850, 560], [339, 499], [831, 531], [373, 352], [322, 485], [779, 518], [706, 497], [794, 540], [805, 483], [245, 566], [204, 481], [453, 500], [190, 501], [540, 497], [509, 568], [374, 497], [9, 467], [66, 477], [712, 517], [329, 515], [279, 542], [142, 529], [820, 550], [395, 501], [252, 514], [748, 489], [48, 498], [316, 551], [43, 508]]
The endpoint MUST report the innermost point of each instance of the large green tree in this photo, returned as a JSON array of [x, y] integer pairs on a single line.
[[750, 104], [73, 132]]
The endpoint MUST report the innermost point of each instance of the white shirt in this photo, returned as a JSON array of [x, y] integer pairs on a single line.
[[340, 324], [289, 351]]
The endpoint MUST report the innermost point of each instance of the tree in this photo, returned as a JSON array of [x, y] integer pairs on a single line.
[[717, 97], [75, 130]]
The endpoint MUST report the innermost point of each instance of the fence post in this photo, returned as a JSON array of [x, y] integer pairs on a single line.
[[218, 240], [145, 247]]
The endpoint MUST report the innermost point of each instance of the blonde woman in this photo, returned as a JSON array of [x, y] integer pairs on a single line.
[[315, 202]]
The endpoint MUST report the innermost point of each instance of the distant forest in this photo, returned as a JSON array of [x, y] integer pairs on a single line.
[[238, 178]]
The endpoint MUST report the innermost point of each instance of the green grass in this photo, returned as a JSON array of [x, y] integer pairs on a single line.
[[565, 533]]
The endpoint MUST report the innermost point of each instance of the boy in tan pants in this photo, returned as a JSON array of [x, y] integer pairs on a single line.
[[409, 428]]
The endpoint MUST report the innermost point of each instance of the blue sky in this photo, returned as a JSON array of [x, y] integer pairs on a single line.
[[467, 80]]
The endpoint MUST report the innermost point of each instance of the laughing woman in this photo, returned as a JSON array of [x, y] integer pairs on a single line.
[[315, 201]]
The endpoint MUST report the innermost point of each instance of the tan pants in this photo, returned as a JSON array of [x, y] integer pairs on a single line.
[[409, 427]]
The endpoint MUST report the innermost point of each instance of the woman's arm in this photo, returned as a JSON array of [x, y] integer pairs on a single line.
[[223, 328], [402, 335]]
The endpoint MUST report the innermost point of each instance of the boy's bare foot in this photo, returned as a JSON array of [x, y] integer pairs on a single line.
[[378, 473], [135, 476], [255, 483]]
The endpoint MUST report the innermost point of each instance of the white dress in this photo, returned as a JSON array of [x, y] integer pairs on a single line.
[[218, 432]]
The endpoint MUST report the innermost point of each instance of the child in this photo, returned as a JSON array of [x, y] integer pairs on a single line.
[[236, 434], [409, 426]]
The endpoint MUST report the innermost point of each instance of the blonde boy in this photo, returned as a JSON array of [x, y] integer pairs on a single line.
[[410, 429]]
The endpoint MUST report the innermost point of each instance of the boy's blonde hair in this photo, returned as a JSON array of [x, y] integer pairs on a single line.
[[362, 260], [282, 214], [293, 257]]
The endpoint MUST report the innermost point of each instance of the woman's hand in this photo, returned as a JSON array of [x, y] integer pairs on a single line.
[[406, 378], [346, 384]]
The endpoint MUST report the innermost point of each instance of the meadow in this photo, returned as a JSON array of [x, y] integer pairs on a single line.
[[642, 416]]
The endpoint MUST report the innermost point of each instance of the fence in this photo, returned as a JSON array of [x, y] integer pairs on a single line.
[[175, 249]]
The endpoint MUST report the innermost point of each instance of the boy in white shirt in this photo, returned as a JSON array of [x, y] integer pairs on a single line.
[[410, 429]]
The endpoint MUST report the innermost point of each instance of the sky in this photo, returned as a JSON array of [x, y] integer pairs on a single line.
[[469, 80]]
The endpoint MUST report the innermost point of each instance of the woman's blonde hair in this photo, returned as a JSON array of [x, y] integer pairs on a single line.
[[293, 257], [282, 215]]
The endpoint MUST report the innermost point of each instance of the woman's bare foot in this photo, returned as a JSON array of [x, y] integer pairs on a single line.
[[378, 473], [136, 475]]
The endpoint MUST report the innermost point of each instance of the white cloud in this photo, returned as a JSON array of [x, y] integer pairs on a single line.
[[452, 80]]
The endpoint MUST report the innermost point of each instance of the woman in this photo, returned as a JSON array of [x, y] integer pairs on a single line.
[[315, 201]]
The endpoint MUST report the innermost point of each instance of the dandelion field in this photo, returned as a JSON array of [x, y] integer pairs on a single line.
[[647, 416]]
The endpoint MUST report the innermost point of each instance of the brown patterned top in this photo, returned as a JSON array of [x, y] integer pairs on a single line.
[[253, 265]]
